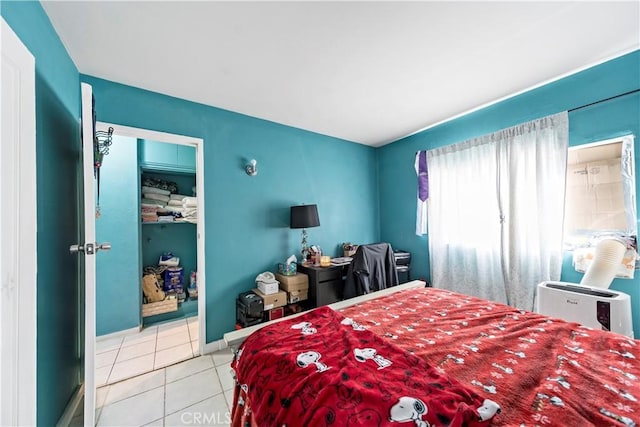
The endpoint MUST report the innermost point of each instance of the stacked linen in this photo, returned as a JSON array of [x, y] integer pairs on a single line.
[[190, 212], [190, 202], [158, 194], [165, 217], [153, 202], [176, 200], [174, 206], [149, 214]]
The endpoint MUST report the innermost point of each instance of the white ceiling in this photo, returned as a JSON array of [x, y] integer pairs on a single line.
[[368, 72]]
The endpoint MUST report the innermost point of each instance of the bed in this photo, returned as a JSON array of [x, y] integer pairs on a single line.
[[422, 356]]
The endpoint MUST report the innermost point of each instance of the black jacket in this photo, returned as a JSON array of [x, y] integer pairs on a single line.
[[373, 268]]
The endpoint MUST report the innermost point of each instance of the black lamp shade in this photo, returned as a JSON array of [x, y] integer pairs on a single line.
[[304, 216]]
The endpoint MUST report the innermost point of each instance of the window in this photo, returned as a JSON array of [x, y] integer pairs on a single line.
[[600, 194]]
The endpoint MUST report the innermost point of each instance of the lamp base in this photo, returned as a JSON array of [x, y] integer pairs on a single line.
[[305, 248]]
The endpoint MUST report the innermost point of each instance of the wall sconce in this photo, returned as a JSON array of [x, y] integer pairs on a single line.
[[252, 168]]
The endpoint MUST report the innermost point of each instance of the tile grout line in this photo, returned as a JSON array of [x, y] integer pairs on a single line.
[[136, 374], [192, 373], [113, 364], [97, 419], [200, 401], [155, 353], [219, 380], [153, 365], [139, 355], [164, 383], [137, 393], [164, 401], [224, 396]]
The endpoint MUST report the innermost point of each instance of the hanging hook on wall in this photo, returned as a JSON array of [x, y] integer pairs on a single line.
[[101, 143], [102, 140]]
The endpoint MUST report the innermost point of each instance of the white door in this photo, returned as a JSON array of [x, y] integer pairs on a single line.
[[89, 248], [17, 233]]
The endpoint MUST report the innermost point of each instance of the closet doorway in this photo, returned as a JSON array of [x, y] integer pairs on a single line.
[[134, 334]]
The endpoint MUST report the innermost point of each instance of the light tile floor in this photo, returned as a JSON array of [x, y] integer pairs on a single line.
[[195, 392], [153, 348]]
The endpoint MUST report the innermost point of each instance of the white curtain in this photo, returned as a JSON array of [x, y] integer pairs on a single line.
[[496, 209]]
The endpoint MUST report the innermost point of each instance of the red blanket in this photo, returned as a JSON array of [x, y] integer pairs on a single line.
[[322, 369], [542, 371]]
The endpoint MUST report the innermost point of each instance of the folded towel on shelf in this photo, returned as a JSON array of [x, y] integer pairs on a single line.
[[154, 196], [149, 209], [149, 218], [151, 205], [174, 202], [154, 190], [178, 197], [148, 203], [189, 202], [190, 215]]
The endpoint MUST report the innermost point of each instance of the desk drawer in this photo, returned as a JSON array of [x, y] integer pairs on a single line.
[[329, 292], [329, 274]]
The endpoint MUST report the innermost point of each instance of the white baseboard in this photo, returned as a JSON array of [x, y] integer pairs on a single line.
[[72, 407], [212, 347], [119, 334]]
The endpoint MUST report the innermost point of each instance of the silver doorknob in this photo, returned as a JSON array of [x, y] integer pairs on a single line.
[[90, 248]]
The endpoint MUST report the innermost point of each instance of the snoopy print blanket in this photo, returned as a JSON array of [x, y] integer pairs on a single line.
[[542, 371], [321, 369]]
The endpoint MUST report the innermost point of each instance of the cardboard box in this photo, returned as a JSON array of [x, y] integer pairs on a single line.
[[268, 288], [159, 307], [275, 313], [271, 301], [296, 282], [296, 296]]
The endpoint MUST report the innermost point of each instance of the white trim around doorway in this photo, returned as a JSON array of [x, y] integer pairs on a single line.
[[198, 143]]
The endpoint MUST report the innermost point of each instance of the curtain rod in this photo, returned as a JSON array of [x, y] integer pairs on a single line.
[[596, 102], [604, 100]]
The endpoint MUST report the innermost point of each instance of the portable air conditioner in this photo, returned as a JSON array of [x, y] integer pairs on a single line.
[[593, 307]]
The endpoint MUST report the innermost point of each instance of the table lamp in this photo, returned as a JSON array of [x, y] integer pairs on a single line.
[[304, 216]]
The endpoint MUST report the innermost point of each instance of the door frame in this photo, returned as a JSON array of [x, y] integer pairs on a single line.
[[18, 255], [198, 143]]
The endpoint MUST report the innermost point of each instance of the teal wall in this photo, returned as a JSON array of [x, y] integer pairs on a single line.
[[58, 156], [602, 121], [247, 218], [118, 271]]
